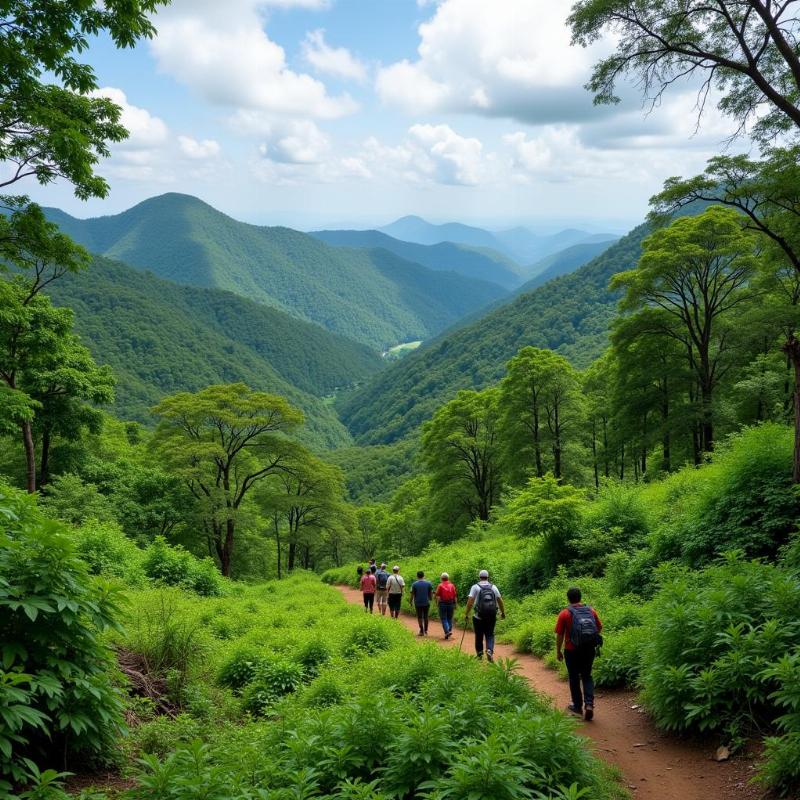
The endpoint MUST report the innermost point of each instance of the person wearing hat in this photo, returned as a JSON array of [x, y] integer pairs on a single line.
[[485, 598], [394, 591], [447, 596], [381, 593]]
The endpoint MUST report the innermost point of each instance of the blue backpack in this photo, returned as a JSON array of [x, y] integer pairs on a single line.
[[584, 633]]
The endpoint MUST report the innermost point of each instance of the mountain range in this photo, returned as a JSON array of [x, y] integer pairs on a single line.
[[520, 243], [160, 337], [569, 314], [472, 262], [371, 295]]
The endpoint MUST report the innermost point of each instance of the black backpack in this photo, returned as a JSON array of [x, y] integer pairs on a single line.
[[383, 579], [486, 603], [584, 633]]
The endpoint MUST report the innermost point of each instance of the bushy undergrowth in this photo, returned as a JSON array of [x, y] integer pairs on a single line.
[[58, 701], [340, 704]]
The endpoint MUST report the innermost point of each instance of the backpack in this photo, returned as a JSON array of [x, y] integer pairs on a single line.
[[447, 592], [486, 603], [584, 632], [383, 579]]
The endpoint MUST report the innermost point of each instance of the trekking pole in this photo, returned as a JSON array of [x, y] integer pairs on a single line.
[[463, 634]]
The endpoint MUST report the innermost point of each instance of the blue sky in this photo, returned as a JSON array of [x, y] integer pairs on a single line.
[[315, 113]]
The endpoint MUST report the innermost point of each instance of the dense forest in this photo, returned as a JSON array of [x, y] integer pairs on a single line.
[[198, 432]]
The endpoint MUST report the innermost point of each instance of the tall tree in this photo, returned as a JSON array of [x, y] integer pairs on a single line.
[[306, 507], [767, 194], [697, 271], [460, 450], [223, 440], [540, 402], [747, 50]]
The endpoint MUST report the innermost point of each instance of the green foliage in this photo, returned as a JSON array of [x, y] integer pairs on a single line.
[[56, 686], [174, 566], [372, 296], [71, 500], [712, 660], [782, 768], [107, 551]]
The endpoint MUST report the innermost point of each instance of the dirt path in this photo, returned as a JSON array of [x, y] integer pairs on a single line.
[[654, 766]]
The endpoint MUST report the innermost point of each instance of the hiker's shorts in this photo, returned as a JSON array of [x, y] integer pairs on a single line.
[[394, 602], [380, 596]]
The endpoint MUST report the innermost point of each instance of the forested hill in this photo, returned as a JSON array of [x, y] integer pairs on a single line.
[[160, 337], [570, 314], [563, 262], [371, 296], [483, 264]]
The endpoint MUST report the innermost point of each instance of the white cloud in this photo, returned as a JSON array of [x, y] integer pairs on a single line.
[[336, 61], [198, 150], [454, 159], [511, 60], [144, 129], [223, 52], [298, 142]]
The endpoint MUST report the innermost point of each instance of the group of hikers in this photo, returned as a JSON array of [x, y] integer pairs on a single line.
[[577, 627]]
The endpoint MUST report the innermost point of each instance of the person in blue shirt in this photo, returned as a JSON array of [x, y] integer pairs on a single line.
[[420, 599]]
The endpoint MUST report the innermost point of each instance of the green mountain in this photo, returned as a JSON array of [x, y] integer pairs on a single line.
[[570, 315], [372, 296], [563, 262], [160, 337], [416, 229], [483, 264]]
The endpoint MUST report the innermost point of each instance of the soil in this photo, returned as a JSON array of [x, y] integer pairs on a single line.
[[653, 765]]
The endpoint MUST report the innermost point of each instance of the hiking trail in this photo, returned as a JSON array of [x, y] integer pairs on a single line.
[[654, 765]]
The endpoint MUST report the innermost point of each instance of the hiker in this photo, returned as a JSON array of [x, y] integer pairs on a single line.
[[578, 632], [394, 591], [359, 572], [420, 598], [368, 584], [447, 596], [372, 567], [381, 578], [485, 598]]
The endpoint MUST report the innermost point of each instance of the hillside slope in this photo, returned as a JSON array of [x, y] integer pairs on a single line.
[[563, 262], [569, 314], [160, 338], [483, 264], [348, 291]]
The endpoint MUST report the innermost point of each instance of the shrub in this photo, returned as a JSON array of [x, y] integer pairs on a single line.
[[273, 680], [240, 669], [716, 630], [174, 566], [56, 687], [107, 551]]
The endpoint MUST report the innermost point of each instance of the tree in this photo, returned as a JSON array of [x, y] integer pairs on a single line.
[[460, 450], [304, 500], [222, 441], [59, 130], [697, 270], [541, 408], [767, 194], [746, 49]]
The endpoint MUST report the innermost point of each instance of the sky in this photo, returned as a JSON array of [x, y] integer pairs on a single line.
[[334, 113]]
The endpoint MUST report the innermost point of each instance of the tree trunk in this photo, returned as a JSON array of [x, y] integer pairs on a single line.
[[557, 445], [291, 556], [707, 420], [44, 458], [666, 456], [605, 448], [227, 548], [792, 350], [30, 457], [537, 444], [594, 455], [277, 528]]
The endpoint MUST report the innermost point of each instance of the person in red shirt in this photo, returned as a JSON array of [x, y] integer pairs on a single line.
[[447, 596], [577, 638], [368, 586]]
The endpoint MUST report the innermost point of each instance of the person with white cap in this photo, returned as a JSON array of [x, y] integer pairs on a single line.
[[447, 596], [394, 589], [485, 598]]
